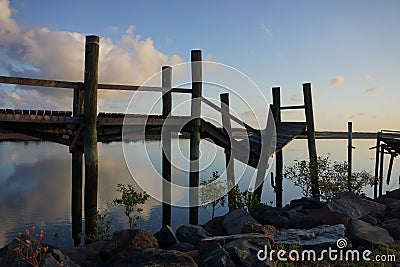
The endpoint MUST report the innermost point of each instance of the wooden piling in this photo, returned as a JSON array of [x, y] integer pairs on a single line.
[[349, 153], [389, 174], [195, 135], [229, 159], [276, 103], [76, 197], [166, 145], [90, 132], [381, 169], [312, 150], [378, 140]]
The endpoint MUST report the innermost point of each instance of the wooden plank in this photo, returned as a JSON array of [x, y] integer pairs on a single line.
[[37, 82], [292, 107]]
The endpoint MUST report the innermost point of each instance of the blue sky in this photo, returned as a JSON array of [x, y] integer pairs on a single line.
[[348, 50]]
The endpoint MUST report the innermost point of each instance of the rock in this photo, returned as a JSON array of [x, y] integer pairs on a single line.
[[191, 234], [385, 200], [363, 233], [244, 252], [354, 206], [166, 237], [181, 246], [267, 230], [212, 243], [393, 227], [393, 194], [215, 226], [265, 214], [216, 258], [55, 257], [128, 239], [318, 238], [323, 217], [369, 219], [306, 203], [153, 257], [394, 210], [87, 255], [234, 220]]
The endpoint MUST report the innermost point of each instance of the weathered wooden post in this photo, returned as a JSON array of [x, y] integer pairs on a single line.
[[166, 145], [76, 197], [312, 150], [229, 159], [349, 153], [389, 174], [378, 140], [90, 132], [276, 103], [195, 135], [381, 169]]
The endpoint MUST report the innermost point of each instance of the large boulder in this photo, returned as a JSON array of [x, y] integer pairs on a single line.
[[363, 233], [153, 257], [320, 217], [87, 255], [166, 237], [55, 257], [244, 252], [268, 230], [192, 234], [393, 194], [318, 238], [234, 220], [212, 243], [268, 215], [217, 257], [393, 227], [181, 246], [355, 206], [128, 239], [306, 203], [215, 226], [394, 210]]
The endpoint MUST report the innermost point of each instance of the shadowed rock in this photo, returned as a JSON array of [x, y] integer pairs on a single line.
[[234, 220], [192, 234], [363, 233], [166, 237]]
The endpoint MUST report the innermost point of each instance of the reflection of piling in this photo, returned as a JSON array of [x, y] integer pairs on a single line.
[[195, 136], [349, 153], [229, 161], [166, 145], [90, 132], [76, 198], [381, 169], [312, 150]]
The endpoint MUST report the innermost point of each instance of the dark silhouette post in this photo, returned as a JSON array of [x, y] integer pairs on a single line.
[[195, 136], [312, 150], [276, 103], [166, 145], [90, 132], [229, 159]]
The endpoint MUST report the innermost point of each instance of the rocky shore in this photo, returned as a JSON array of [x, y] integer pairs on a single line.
[[236, 238]]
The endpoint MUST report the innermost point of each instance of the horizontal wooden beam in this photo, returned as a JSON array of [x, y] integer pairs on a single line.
[[76, 85], [292, 107]]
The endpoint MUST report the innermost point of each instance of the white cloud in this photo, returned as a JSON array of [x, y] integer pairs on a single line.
[[266, 30], [368, 78], [48, 54], [375, 89], [113, 29], [338, 81]]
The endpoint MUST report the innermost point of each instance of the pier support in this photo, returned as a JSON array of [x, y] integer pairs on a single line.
[[312, 150], [276, 104], [76, 197], [378, 141], [166, 145], [90, 132], [229, 159], [195, 135], [381, 169]]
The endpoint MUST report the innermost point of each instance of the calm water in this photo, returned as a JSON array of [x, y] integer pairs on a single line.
[[35, 182]]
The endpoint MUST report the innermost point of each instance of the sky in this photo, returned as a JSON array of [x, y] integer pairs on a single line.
[[348, 50]]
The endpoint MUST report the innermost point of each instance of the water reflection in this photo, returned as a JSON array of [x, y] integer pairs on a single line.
[[35, 183]]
